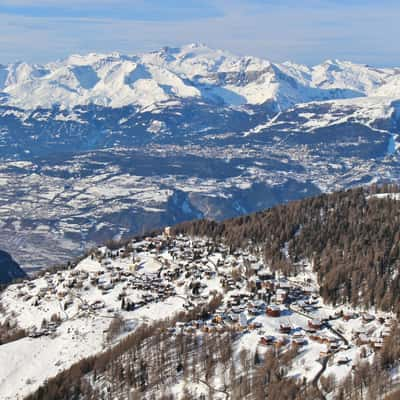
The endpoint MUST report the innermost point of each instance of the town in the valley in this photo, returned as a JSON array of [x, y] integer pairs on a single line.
[[71, 313]]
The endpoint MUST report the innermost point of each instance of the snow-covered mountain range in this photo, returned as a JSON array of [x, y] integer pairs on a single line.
[[98, 146], [193, 71]]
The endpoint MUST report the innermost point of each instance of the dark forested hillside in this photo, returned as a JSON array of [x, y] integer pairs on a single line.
[[352, 239], [9, 269]]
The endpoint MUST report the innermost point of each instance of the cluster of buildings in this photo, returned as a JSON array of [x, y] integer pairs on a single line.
[[278, 311]]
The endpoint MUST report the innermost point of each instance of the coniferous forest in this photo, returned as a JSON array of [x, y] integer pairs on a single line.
[[352, 239]]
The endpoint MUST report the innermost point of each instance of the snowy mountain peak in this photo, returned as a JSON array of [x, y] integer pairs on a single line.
[[191, 71]]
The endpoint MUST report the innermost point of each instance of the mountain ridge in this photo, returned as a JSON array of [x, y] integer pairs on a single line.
[[191, 71]]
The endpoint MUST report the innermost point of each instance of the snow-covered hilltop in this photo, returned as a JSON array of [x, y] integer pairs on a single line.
[[192, 71]]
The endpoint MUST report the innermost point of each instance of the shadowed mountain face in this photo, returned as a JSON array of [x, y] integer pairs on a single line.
[[102, 146], [9, 269]]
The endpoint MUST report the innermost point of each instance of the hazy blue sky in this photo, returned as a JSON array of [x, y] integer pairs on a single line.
[[306, 31]]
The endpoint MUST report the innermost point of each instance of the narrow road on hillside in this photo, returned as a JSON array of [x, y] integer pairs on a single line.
[[337, 333], [324, 360]]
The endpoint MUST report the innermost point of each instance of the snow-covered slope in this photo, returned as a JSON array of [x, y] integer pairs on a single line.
[[70, 314], [192, 71]]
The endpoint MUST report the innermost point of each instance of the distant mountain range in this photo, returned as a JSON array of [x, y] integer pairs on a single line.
[[191, 72], [101, 145]]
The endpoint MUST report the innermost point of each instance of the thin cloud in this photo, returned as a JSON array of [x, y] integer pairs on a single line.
[[309, 34], [119, 9]]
